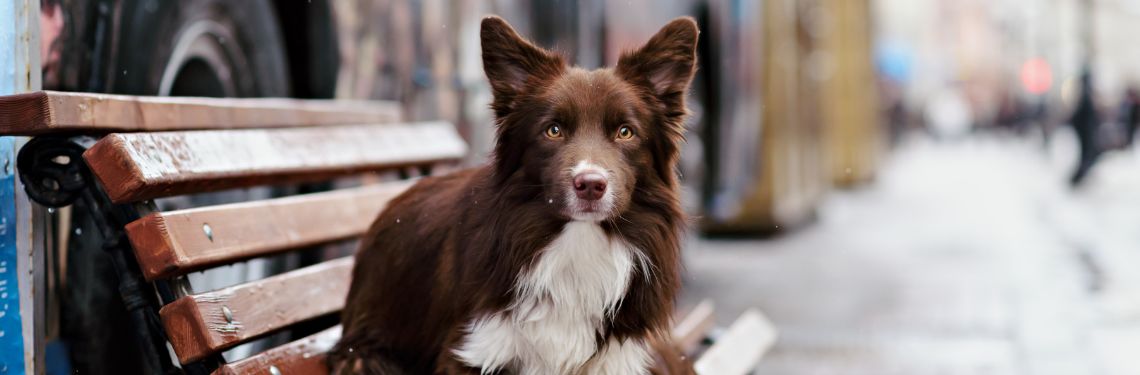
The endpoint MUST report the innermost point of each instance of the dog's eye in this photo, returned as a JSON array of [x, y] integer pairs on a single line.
[[625, 133], [554, 131]]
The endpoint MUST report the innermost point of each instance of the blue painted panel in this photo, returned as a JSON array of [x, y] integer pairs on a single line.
[[11, 331], [19, 51]]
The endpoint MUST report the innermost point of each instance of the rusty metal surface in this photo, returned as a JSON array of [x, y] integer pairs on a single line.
[[174, 243], [207, 323], [43, 112], [141, 166]]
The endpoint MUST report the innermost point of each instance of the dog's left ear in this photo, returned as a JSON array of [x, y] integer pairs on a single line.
[[666, 64]]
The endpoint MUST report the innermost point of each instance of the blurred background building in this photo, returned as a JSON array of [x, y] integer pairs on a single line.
[[750, 165], [792, 99]]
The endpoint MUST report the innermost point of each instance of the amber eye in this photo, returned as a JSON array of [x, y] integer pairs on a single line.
[[554, 131], [625, 133]]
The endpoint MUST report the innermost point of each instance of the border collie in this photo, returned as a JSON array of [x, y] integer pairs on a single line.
[[561, 256]]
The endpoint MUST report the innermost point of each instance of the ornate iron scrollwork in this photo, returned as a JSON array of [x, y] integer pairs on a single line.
[[52, 170]]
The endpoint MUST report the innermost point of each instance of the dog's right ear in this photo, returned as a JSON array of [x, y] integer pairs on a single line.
[[511, 62]]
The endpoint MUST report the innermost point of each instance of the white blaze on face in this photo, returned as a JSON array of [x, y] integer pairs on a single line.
[[582, 210]]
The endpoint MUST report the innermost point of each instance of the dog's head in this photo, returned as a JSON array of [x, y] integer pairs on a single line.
[[589, 139]]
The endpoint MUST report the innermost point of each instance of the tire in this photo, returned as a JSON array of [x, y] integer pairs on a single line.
[[200, 48]]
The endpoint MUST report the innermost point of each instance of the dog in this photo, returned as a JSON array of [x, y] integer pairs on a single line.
[[562, 254]]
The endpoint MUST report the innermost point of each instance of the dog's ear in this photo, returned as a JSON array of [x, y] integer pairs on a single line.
[[664, 67], [511, 62], [666, 64]]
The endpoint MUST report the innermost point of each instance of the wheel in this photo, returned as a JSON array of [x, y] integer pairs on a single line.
[[200, 48]]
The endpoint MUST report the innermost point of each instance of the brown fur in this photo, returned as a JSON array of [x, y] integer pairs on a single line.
[[452, 247]]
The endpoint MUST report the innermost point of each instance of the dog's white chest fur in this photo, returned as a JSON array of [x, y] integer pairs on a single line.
[[561, 304]]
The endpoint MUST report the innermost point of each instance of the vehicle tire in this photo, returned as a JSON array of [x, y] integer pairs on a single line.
[[200, 48]]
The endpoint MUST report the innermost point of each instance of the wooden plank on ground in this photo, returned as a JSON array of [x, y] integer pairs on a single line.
[[738, 351], [203, 324], [45, 112], [140, 166], [175, 243], [304, 356], [689, 332]]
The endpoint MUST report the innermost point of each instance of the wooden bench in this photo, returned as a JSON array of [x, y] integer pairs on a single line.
[[119, 154]]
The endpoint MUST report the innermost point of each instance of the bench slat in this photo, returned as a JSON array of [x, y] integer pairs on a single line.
[[141, 166], [197, 325], [304, 356], [175, 243], [45, 112], [739, 350], [689, 332]]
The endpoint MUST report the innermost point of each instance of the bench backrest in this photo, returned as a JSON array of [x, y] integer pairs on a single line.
[[163, 147]]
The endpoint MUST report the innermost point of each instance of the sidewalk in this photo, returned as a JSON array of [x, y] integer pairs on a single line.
[[970, 257]]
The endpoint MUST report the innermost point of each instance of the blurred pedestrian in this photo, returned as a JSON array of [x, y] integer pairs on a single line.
[[1085, 122], [1131, 108], [948, 114]]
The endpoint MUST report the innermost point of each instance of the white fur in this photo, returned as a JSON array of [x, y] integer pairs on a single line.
[[561, 304], [605, 205], [619, 358]]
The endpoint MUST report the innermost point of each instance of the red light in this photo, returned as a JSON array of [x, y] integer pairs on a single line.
[[1036, 76]]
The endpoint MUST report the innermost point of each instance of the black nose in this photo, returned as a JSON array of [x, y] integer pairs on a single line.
[[590, 186]]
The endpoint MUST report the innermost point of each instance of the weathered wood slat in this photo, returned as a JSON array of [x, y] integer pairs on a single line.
[[689, 332], [304, 356], [739, 350], [45, 112], [307, 356], [140, 166], [174, 243], [202, 324]]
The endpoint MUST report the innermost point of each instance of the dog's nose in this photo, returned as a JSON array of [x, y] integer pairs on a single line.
[[590, 186]]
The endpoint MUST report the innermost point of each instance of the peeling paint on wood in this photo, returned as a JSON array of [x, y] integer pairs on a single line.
[[140, 166], [169, 244], [197, 327], [11, 339], [305, 356], [44, 112]]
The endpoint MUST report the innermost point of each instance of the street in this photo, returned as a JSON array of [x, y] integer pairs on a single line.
[[967, 256]]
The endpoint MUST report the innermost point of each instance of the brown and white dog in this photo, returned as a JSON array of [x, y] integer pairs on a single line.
[[561, 256]]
